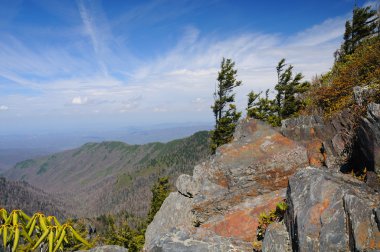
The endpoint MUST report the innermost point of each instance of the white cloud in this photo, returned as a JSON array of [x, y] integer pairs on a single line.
[[79, 100], [180, 80], [3, 108], [189, 70], [160, 110], [198, 100], [318, 34]]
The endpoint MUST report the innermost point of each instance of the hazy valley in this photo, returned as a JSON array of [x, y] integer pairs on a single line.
[[108, 177]]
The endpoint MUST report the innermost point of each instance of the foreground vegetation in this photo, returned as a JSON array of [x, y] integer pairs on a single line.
[[21, 232]]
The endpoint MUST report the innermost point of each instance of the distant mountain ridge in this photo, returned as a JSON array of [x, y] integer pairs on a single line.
[[108, 177]]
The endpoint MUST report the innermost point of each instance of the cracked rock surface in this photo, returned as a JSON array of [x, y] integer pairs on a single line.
[[330, 211]]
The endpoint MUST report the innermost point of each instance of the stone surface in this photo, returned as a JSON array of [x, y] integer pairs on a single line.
[[241, 221], [362, 94], [201, 241], [217, 209], [369, 138], [330, 211], [276, 238], [258, 161], [326, 141], [186, 186], [175, 212], [107, 248]]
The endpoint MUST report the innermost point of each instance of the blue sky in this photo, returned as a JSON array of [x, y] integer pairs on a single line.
[[67, 64]]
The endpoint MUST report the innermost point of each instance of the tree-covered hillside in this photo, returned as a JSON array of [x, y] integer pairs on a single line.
[[21, 195], [105, 177]]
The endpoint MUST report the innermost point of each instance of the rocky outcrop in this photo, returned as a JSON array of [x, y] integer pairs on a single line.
[[107, 248], [217, 209], [369, 138], [330, 211], [175, 213], [346, 140], [326, 142], [258, 161], [362, 94], [276, 238]]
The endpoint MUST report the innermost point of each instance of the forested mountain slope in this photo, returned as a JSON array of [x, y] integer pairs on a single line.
[[107, 177], [21, 195]]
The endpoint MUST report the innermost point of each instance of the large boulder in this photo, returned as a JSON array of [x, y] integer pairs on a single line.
[[348, 141], [106, 248], [369, 138], [326, 141], [330, 211], [258, 161], [276, 238], [217, 209], [200, 241], [241, 220], [175, 213]]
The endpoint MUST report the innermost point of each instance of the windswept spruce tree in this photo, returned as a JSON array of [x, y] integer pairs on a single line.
[[364, 23], [226, 115], [289, 90], [287, 101]]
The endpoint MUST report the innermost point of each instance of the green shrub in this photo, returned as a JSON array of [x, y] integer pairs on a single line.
[[265, 219], [361, 68]]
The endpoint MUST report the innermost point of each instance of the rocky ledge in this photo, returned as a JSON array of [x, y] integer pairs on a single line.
[[218, 208], [331, 211]]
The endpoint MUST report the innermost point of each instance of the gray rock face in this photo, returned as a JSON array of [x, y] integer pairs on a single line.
[[276, 239], [217, 209], [369, 138], [175, 212], [107, 248], [326, 141], [330, 211], [361, 94], [258, 161], [186, 185], [181, 241]]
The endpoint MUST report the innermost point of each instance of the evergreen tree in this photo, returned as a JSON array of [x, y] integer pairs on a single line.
[[288, 101], [347, 45], [160, 191], [226, 115], [364, 23], [289, 89], [262, 108]]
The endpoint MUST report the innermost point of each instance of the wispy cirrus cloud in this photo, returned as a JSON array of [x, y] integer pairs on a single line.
[[97, 69], [92, 31]]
